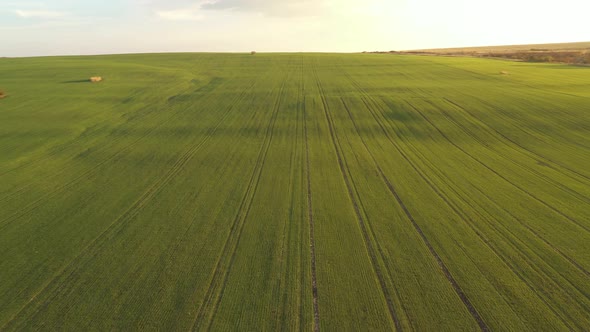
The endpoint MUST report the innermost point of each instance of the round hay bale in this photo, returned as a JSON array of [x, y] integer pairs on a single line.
[[504, 72], [2, 94], [96, 79], [253, 52]]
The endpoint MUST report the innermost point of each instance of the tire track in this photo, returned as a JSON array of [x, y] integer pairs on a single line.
[[534, 266], [21, 189], [467, 220], [549, 180], [178, 243], [536, 234], [85, 174], [520, 145], [314, 286], [574, 221], [502, 257], [482, 325], [531, 230], [54, 192], [219, 277], [523, 127], [360, 219], [285, 260], [116, 226], [67, 146]]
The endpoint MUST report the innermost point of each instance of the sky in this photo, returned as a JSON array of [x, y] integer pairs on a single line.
[[56, 27]]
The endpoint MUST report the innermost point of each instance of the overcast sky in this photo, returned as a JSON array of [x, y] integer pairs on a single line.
[[123, 26]]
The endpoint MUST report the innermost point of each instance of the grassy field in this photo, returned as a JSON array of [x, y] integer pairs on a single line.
[[294, 192]]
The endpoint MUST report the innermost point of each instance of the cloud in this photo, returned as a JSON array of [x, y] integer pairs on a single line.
[[281, 8], [44, 14], [188, 14], [289, 8]]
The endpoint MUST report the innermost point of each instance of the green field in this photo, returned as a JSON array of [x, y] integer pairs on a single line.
[[294, 192]]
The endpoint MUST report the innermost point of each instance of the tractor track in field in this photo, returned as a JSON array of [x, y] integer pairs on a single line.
[[468, 222], [486, 242], [519, 164], [379, 248], [314, 283], [523, 256], [431, 249], [477, 232], [528, 193], [66, 146], [502, 257], [219, 278], [118, 224], [85, 174], [479, 75], [284, 260], [531, 230], [534, 266], [31, 206], [21, 189], [54, 151], [474, 313], [536, 234], [518, 124], [178, 243], [349, 185], [520, 145]]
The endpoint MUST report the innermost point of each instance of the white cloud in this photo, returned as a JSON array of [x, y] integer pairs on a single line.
[[46, 14], [179, 14]]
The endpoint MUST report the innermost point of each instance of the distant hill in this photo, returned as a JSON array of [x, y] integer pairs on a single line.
[[510, 48], [570, 53]]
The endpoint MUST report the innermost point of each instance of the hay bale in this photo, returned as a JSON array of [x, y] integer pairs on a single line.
[[503, 72], [2, 94], [253, 52], [96, 79]]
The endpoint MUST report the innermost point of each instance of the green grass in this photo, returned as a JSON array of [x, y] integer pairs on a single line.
[[213, 191]]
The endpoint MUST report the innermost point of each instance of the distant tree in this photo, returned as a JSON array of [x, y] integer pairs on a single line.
[[253, 52]]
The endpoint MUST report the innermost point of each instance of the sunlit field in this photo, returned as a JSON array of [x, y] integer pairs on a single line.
[[275, 192]]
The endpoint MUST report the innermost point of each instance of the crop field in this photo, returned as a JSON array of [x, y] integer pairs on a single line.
[[307, 192]]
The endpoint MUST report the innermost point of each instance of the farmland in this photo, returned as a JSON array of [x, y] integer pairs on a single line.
[[570, 53], [294, 192], [558, 47]]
